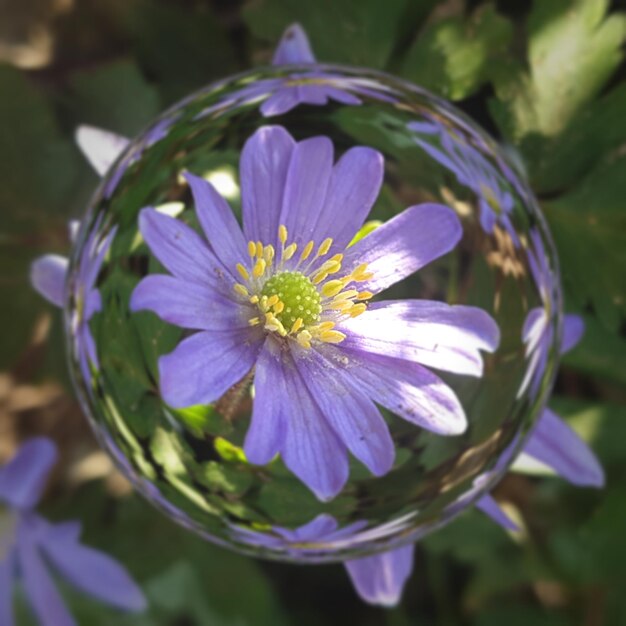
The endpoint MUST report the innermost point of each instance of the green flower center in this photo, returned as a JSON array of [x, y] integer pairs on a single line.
[[299, 295]]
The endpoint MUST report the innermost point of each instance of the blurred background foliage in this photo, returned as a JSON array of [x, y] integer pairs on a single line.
[[547, 78]]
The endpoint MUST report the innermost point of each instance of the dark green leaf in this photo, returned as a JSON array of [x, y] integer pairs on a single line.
[[453, 57], [115, 97], [589, 227]]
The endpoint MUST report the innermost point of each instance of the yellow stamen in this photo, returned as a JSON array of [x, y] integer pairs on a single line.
[[296, 325], [279, 306], [254, 321], [324, 246], [259, 268], [357, 309], [259, 249], [274, 324], [332, 288], [243, 271], [332, 336], [272, 300], [339, 305], [254, 299], [282, 234], [324, 326], [307, 251], [345, 295], [241, 289], [268, 254], [304, 338], [251, 248], [364, 295], [319, 277], [289, 251], [360, 273], [330, 267]]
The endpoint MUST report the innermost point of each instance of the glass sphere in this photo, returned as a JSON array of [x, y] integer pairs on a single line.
[[234, 409]]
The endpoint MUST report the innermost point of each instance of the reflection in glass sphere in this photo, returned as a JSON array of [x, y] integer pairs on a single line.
[[261, 389]]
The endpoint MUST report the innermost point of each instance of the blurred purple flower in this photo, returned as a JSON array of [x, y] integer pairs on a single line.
[[30, 546], [378, 579], [472, 170], [289, 300], [315, 87], [48, 277]]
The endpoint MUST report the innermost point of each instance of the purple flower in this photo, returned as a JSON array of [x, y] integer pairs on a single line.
[[378, 579], [48, 277], [472, 170], [538, 331], [314, 87], [30, 546], [288, 297]]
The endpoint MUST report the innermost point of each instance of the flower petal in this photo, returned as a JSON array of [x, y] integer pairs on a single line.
[[310, 448], [305, 188], [218, 222], [6, 590], [554, 443], [380, 579], [406, 389], [280, 102], [350, 413], [47, 276], [102, 148], [94, 573], [431, 333], [345, 97], [354, 186], [182, 251], [24, 477], [266, 431], [293, 47], [405, 244], [315, 530], [186, 304], [573, 330], [490, 507], [204, 366], [264, 163], [41, 592], [93, 304]]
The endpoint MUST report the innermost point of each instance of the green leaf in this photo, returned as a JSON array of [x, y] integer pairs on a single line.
[[592, 134], [600, 353], [40, 169], [453, 57], [38, 163], [184, 50], [361, 32], [573, 49], [589, 228], [115, 97]]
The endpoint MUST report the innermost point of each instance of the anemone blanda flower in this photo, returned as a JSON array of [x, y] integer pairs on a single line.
[[49, 275], [472, 170], [288, 298], [316, 86], [30, 547], [378, 579]]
